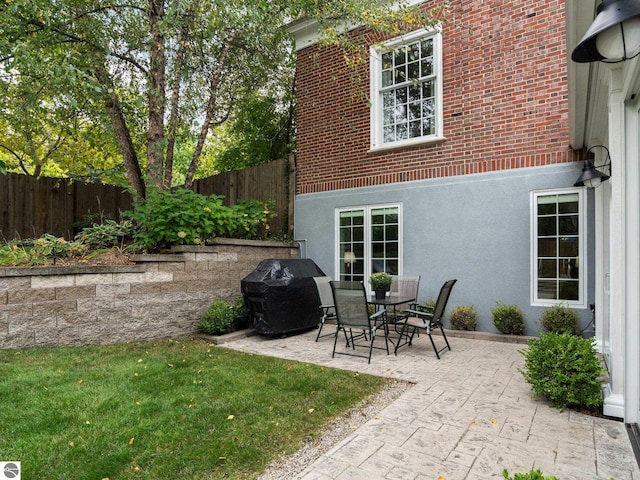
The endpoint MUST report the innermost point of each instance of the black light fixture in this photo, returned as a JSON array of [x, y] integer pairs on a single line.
[[614, 35], [591, 177]]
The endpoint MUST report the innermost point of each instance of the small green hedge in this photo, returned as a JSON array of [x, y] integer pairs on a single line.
[[565, 369], [224, 317]]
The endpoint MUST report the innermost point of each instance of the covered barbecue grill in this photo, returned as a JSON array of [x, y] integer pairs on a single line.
[[282, 295]]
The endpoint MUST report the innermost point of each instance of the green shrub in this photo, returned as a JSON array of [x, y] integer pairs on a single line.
[[183, 217], [565, 369], [464, 317], [532, 475], [13, 253], [89, 219], [252, 219], [560, 319], [508, 319], [49, 246], [106, 235], [223, 317]]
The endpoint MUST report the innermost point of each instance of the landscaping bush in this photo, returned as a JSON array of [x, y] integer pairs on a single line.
[[565, 369], [106, 235], [224, 317], [560, 319], [464, 317], [508, 319], [183, 217], [532, 475]]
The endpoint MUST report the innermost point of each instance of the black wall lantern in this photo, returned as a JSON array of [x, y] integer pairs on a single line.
[[591, 177], [614, 35]]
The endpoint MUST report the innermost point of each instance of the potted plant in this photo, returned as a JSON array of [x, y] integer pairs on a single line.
[[380, 283]]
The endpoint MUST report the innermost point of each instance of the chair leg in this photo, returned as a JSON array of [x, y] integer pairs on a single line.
[[401, 335], [320, 328], [335, 340], [445, 337], [435, 349]]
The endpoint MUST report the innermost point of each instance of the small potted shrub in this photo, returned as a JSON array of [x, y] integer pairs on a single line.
[[565, 369], [508, 319], [464, 317], [380, 283], [560, 319], [223, 317]]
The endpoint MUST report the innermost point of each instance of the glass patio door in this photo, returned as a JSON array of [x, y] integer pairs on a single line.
[[369, 241]]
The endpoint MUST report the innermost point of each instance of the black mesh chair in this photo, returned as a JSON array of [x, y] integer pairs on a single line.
[[327, 308], [427, 319], [352, 314]]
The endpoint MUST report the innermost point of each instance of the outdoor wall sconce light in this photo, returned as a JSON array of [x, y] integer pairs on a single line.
[[614, 35], [591, 177]]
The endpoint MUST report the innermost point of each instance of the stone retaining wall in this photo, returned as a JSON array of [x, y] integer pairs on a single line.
[[162, 296]]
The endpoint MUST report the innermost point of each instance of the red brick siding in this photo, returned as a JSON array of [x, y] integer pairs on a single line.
[[505, 102]]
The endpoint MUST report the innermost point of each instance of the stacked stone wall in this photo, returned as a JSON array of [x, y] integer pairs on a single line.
[[161, 296]]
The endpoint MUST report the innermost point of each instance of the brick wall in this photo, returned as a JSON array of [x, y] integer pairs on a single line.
[[505, 102], [162, 296]]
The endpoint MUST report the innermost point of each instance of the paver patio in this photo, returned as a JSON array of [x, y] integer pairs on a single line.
[[470, 415]]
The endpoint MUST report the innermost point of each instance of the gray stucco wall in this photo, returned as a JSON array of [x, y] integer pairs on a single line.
[[475, 228]]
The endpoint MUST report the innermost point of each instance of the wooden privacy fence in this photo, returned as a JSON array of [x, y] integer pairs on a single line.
[[30, 207]]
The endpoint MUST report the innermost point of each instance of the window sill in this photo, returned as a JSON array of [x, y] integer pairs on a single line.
[[408, 144], [551, 303]]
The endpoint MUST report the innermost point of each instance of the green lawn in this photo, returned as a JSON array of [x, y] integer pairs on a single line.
[[171, 409]]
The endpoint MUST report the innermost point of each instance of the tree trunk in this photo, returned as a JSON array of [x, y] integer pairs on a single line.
[[123, 136], [174, 108], [214, 81], [157, 101]]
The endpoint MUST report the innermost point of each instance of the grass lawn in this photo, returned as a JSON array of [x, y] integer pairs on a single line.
[[171, 409]]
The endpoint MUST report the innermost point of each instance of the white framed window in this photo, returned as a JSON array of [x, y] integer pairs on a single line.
[[406, 90], [369, 240], [558, 253]]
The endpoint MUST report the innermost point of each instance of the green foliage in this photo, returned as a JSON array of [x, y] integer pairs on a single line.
[[50, 246], [89, 220], [256, 133], [13, 253], [183, 217], [223, 317], [251, 219], [106, 235], [380, 281], [39, 251], [77, 90], [560, 319], [565, 369], [532, 475], [508, 319], [464, 317]]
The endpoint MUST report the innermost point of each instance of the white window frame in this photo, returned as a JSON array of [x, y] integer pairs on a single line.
[[582, 250], [367, 237], [377, 134]]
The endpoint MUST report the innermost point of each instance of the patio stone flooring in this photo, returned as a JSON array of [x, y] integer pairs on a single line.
[[470, 415]]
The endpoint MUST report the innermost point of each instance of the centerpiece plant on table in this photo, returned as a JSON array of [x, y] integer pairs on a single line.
[[380, 283]]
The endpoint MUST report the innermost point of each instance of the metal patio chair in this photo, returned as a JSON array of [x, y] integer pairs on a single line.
[[327, 307], [403, 286], [427, 319], [352, 313]]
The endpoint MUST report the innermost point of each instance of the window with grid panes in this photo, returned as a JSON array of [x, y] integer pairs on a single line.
[[406, 90], [558, 248]]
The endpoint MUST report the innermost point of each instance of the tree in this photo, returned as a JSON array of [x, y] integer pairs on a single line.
[[162, 71], [257, 132]]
